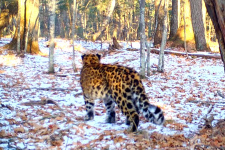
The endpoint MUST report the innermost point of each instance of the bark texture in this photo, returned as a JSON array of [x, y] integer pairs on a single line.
[[198, 25], [178, 39], [52, 35], [142, 38], [159, 15], [164, 38], [216, 11], [175, 17]]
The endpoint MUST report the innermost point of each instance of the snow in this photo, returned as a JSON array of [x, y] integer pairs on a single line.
[[26, 79]]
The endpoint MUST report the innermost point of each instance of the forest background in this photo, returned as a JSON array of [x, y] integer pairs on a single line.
[[189, 29], [102, 20]]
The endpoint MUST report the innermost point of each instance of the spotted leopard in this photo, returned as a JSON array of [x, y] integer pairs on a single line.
[[116, 84]]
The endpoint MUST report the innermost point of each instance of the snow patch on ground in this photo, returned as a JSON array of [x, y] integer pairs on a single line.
[[175, 91]]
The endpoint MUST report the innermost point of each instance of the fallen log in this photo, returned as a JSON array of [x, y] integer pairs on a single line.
[[197, 54], [42, 102]]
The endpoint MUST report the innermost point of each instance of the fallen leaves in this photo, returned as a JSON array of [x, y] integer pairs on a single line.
[[19, 130], [184, 91]]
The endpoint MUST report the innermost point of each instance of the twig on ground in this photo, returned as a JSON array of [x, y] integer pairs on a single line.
[[220, 94], [42, 102], [207, 102], [208, 120]]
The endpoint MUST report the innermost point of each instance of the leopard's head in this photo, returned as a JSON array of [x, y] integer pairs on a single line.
[[89, 59]]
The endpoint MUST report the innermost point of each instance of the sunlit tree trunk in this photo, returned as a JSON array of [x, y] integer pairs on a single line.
[[164, 37], [142, 38], [32, 46], [178, 39], [198, 25], [8, 10], [52, 32], [28, 29], [18, 49], [175, 17]]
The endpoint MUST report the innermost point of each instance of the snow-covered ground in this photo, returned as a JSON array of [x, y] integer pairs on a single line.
[[185, 91]]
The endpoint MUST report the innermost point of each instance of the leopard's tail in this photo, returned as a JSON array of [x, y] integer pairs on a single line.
[[153, 113]]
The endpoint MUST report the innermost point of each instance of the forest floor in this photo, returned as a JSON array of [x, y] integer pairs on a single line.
[[45, 111]]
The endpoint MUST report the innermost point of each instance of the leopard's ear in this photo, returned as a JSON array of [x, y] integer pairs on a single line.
[[99, 56], [83, 56]]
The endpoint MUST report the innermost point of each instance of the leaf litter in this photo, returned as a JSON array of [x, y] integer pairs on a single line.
[[186, 91]]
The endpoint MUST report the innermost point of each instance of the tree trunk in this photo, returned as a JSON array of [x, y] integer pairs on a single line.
[[159, 15], [164, 37], [178, 39], [28, 29], [73, 32], [33, 46], [52, 32], [106, 20], [142, 38], [175, 18], [216, 12], [18, 49], [198, 25]]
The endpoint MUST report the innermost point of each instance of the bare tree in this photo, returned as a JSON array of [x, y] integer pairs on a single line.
[[32, 46], [73, 32], [106, 21], [159, 15], [179, 36], [142, 38], [198, 25], [52, 32], [20, 3], [164, 37], [185, 41], [175, 17], [28, 29]]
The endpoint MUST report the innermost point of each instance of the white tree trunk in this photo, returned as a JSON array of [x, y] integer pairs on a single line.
[[142, 38], [52, 32]]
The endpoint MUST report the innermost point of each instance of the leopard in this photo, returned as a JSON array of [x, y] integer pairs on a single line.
[[116, 84]]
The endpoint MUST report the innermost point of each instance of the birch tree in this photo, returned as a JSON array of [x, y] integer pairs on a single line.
[[142, 38], [52, 32]]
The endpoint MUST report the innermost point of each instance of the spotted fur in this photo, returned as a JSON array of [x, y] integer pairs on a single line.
[[116, 84]]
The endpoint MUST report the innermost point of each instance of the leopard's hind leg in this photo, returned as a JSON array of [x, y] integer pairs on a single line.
[[89, 103], [110, 110]]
